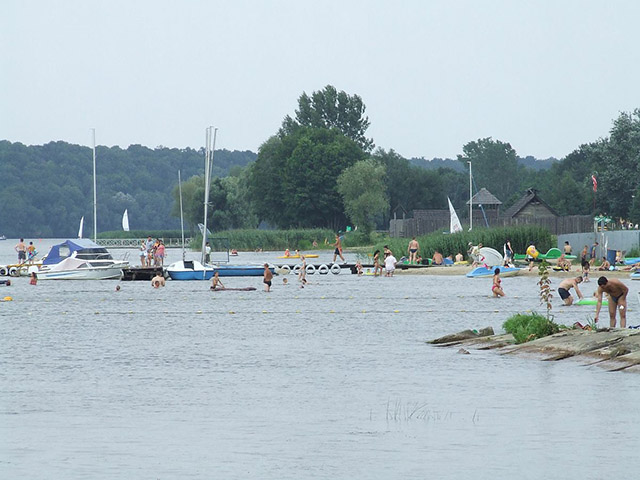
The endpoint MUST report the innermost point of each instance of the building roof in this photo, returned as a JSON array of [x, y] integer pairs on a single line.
[[484, 197], [530, 196]]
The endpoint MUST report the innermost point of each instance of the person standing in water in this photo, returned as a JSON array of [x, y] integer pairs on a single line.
[[617, 293], [496, 288], [566, 285], [268, 276]]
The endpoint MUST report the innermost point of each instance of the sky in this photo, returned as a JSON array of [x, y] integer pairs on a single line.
[[544, 76]]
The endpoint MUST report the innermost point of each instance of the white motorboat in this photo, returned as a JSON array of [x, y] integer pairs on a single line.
[[80, 259]]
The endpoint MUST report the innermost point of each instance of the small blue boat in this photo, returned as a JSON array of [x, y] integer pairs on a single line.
[[631, 261], [635, 276], [481, 272], [189, 270]]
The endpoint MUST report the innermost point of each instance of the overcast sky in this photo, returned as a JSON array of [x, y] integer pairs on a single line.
[[545, 76]]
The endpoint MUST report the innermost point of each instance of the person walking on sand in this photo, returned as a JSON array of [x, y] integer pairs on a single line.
[[338, 250], [268, 276], [617, 293], [566, 285], [413, 248], [508, 252], [496, 288]]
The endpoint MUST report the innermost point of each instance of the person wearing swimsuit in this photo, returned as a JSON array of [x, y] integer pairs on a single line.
[[617, 292], [496, 288]]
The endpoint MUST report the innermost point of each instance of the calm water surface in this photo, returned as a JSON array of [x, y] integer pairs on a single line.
[[330, 381]]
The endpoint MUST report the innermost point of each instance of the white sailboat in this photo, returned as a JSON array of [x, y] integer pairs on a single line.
[[187, 269], [125, 221], [454, 223], [81, 226]]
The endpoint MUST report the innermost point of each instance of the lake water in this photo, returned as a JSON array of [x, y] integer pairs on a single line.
[[331, 381]]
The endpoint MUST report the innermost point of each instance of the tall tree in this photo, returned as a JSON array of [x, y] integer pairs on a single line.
[[364, 194], [293, 181], [329, 108], [494, 166]]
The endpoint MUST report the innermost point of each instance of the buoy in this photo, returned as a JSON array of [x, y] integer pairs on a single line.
[[296, 268], [323, 269], [285, 269], [335, 269], [7, 299], [13, 271], [3, 270], [311, 269]]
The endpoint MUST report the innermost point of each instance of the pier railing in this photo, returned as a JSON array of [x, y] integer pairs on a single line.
[[135, 242]]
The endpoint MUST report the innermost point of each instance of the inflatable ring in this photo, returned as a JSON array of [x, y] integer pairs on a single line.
[[3, 270], [323, 269], [311, 269], [296, 268], [24, 271], [335, 269], [14, 272], [285, 269]]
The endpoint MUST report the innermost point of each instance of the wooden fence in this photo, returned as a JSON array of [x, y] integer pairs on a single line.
[[437, 220]]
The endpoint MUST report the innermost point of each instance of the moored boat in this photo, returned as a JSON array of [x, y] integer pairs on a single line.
[[189, 270], [79, 259]]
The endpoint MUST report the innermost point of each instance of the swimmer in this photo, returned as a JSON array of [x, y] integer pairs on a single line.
[[117, 288], [566, 285], [216, 283], [496, 288], [285, 281], [157, 281], [34, 279]]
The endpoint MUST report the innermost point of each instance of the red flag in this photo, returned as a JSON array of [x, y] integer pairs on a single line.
[[595, 183]]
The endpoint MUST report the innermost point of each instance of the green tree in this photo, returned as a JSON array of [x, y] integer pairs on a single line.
[[619, 169], [293, 181], [363, 192], [329, 108], [494, 166]]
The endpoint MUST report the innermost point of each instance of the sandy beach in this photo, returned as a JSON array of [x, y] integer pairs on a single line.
[[525, 272]]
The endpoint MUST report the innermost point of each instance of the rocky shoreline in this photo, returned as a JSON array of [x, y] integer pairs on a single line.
[[613, 349]]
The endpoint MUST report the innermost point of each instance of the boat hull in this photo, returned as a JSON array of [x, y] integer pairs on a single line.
[[97, 273], [482, 272], [189, 270]]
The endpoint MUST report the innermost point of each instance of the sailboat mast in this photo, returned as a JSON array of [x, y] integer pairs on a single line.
[[181, 214], [207, 181], [470, 199], [95, 201]]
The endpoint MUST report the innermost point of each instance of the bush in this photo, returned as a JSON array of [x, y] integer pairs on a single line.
[[525, 328]]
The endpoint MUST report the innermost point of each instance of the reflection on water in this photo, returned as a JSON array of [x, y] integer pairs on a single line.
[[330, 381]]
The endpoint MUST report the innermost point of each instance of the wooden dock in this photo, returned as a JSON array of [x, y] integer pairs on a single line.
[[141, 273]]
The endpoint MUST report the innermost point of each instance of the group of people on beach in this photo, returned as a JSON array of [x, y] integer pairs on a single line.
[[152, 252]]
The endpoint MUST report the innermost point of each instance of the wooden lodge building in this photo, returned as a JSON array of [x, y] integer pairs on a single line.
[[530, 209]]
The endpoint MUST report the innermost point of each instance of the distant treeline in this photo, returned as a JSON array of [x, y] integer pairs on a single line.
[[46, 189], [319, 170]]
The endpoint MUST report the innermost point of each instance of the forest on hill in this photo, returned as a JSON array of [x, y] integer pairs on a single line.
[[318, 170]]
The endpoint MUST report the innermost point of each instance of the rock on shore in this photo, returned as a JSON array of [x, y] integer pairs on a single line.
[[613, 349]]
